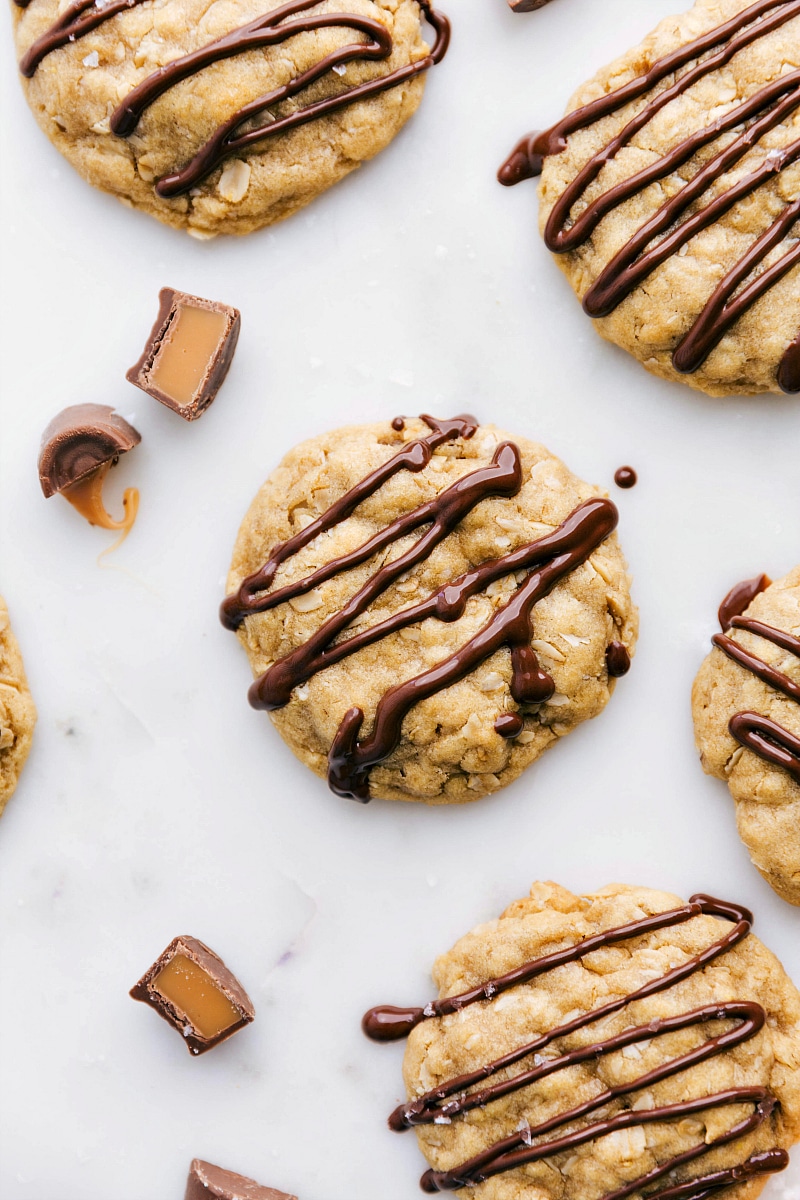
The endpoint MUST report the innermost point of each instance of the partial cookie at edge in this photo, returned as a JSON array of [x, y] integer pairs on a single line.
[[550, 920], [767, 798], [651, 322], [17, 711]]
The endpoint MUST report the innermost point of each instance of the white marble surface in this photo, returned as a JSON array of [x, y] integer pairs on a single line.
[[156, 802]]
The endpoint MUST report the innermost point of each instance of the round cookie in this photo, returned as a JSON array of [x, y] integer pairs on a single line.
[[670, 194], [223, 118], [646, 1045], [746, 708], [451, 603], [17, 711]]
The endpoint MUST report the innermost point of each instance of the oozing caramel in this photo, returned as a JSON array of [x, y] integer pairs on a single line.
[[192, 991], [87, 497], [187, 353]]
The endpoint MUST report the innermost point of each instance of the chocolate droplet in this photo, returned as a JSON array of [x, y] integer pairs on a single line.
[[740, 597], [618, 660], [626, 477], [509, 725], [389, 1024]]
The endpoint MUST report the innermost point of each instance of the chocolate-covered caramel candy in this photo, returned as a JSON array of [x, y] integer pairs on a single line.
[[190, 986], [188, 353], [207, 1182], [79, 447], [526, 5]]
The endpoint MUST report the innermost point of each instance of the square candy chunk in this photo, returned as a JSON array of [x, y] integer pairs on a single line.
[[207, 1182], [188, 353], [190, 986]]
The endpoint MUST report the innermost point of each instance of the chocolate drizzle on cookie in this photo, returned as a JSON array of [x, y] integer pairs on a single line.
[[764, 737], [740, 597], [240, 132], [529, 1143], [671, 228], [544, 563]]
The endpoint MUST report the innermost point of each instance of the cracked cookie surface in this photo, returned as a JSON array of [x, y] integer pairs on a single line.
[[449, 749], [17, 711], [767, 794], [76, 88], [666, 316], [746, 976]]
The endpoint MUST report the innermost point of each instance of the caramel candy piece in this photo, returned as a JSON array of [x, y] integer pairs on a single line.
[[526, 5], [190, 986], [79, 447], [207, 1182], [188, 353]]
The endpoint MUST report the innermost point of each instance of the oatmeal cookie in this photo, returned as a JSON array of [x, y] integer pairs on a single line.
[[17, 712], [603, 1046], [428, 605], [746, 708], [670, 194], [223, 117]]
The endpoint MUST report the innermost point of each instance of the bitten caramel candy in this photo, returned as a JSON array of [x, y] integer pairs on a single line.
[[188, 353], [526, 5], [207, 1182], [190, 986], [78, 448], [78, 441]]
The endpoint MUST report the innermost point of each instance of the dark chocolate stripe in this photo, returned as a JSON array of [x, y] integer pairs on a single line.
[[453, 1098], [786, 641], [434, 1104], [82, 16], [550, 560], [513, 1153], [768, 740], [628, 269], [502, 478], [766, 1163], [757, 666], [413, 457], [388, 1024], [724, 309], [539, 146], [74, 23], [763, 736], [643, 254], [545, 561], [264, 31]]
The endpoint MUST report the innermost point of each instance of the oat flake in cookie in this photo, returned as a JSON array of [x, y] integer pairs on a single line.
[[746, 708], [670, 194], [618, 1044], [17, 711], [427, 605], [228, 117]]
